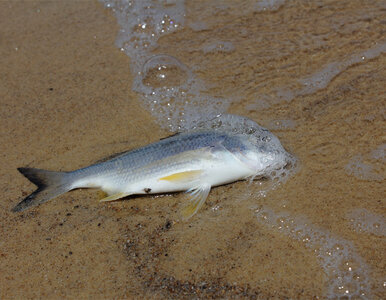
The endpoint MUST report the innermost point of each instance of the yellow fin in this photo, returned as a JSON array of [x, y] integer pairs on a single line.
[[114, 197], [197, 200], [182, 176]]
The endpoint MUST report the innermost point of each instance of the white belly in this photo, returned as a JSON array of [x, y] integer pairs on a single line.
[[214, 173]]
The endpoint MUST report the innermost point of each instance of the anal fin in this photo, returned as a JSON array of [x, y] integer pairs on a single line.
[[198, 196], [102, 194], [115, 197]]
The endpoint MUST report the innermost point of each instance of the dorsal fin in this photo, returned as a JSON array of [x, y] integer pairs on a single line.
[[111, 157], [174, 134]]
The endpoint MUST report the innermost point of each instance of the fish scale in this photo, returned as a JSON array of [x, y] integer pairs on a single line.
[[139, 158]]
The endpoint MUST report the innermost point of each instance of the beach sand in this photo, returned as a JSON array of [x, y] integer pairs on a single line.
[[66, 101]]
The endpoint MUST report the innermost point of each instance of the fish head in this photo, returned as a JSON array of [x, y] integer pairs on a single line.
[[263, 152]]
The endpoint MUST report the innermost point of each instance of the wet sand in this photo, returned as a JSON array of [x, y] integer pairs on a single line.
[[66, 101]]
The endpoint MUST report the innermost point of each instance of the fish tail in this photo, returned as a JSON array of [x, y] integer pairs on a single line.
[[50, 185]]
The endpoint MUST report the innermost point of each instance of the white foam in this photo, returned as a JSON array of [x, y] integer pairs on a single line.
[[198, 26], [368, 166], [166, 86], [218, 46], [362, 170], [364, 221], [282, 124], [233, 123], [348, 275], [176, 98], [207, 18], [142, 23], [319, 79], [379, 153], [268, 5]]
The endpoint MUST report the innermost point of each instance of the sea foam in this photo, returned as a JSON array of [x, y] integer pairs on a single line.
[[166, 86], [364, 221], [369, 166], [318, 80], [348, 274]]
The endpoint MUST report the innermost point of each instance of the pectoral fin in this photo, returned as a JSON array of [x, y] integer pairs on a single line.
[[114, 197], [183, 176], [198, 196]]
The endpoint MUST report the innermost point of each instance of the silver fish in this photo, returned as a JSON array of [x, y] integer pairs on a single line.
[[194, 162]]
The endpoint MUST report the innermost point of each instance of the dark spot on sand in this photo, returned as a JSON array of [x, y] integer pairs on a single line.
[[168, 225]]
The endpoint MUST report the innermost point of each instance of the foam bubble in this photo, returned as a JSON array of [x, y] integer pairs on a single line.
[[348, 275], [174, 95], [163, 71], [364, 221]]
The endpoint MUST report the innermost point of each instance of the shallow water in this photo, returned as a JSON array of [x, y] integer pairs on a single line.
[[311, 72]]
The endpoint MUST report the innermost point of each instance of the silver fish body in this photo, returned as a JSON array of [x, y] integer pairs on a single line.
[[139, 171], [193, 161]]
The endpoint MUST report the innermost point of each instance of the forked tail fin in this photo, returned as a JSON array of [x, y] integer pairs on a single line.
[[50, 185]]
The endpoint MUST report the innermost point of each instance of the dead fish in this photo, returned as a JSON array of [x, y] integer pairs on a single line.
[[192, 161]]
